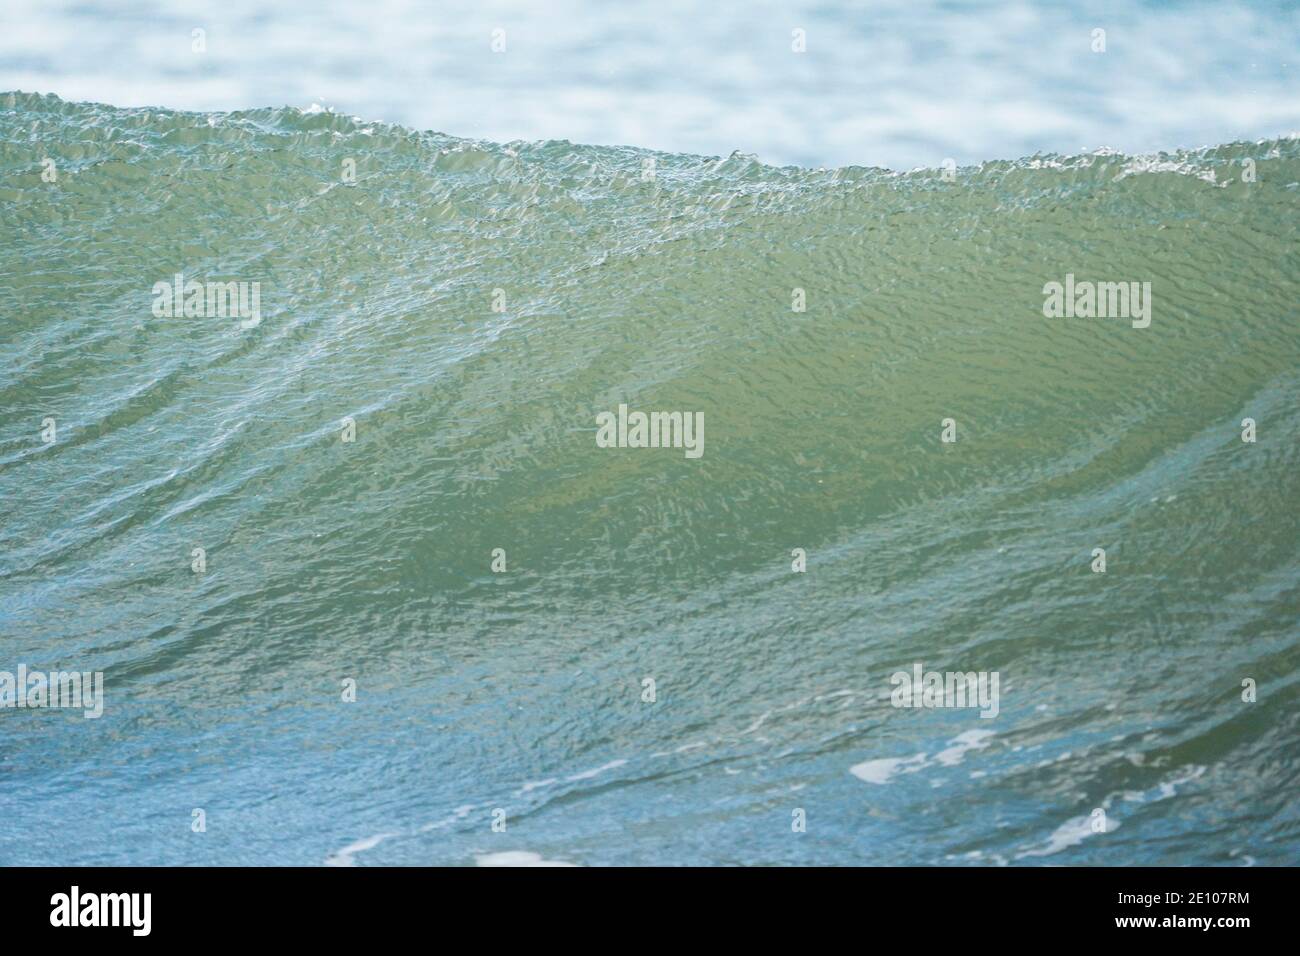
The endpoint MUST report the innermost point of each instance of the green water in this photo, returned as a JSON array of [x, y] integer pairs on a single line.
[[663, 288]]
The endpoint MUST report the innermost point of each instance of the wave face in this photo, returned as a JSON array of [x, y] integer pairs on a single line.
[[472, 308]]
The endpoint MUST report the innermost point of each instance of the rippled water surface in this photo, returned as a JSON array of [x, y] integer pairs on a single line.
[[475, 430]]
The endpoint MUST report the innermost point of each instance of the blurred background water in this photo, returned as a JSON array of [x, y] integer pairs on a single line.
[[895, 83]]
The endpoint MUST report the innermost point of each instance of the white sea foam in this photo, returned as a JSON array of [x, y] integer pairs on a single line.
[[1070, 833], [883, 770], [596, 771], [517, 858], [344, 857]]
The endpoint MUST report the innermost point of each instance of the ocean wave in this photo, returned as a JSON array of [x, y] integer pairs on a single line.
[[442, 320]]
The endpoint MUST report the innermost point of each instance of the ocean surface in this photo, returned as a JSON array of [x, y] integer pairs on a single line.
[[892, 83], [470, 308]]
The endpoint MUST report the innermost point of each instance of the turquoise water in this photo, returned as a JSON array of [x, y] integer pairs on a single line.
[[371, 560]]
